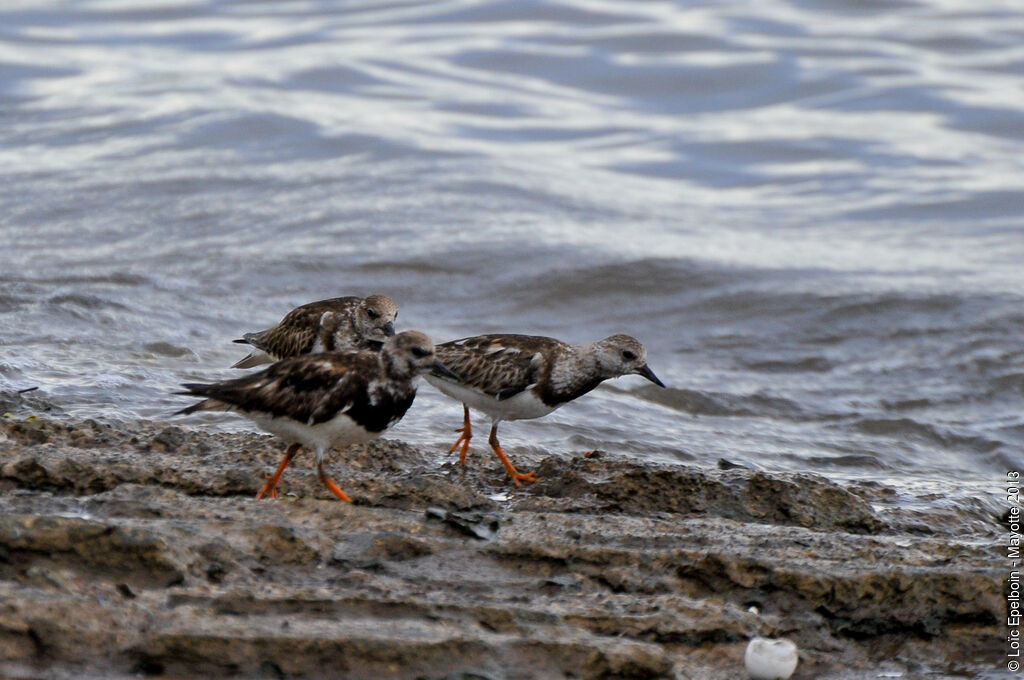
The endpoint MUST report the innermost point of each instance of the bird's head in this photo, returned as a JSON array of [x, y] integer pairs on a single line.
[[375, 318], [411, 353], [622, 355]]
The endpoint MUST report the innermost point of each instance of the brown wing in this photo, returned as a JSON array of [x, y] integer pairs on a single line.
[[297, 332], [498, 365], [310, 388]]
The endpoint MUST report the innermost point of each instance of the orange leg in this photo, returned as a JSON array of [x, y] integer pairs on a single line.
[[329, 483], [517, 476], [270, 488], [467, 434]]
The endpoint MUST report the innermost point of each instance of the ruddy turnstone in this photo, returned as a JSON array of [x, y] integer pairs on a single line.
[[323, 400], [324, 326], [517, 377]]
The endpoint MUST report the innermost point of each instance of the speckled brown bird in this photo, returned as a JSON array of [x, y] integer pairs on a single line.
[[324, 400], [517, 377], [324, 326]]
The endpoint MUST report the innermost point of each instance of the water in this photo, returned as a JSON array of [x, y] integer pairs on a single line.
[[810, 212]]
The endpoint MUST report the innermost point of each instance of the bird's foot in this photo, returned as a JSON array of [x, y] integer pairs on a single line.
[[519, 477], [331, 485], [268, 490], [465, 435]]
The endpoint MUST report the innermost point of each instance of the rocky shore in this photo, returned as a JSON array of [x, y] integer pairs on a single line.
[[138, 549]]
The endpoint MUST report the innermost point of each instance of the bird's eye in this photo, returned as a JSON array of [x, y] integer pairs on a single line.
[[419, 352], [373, 314], [627, 355]]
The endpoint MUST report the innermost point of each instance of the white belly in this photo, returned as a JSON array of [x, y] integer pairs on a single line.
[[522, 406], [339, 431]]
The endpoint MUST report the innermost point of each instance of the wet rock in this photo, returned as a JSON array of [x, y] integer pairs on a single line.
[[93, 548], [28, 402], [374, 550], [168, 439], [140, 549], [29, 431], [476, 525], [739, 494]]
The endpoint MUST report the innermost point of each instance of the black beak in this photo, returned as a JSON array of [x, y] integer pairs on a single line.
[[646, 372], [389, 329], [442, 371]]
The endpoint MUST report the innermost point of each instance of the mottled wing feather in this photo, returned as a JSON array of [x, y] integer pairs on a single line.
[[282, 342], [501, 366], [309, 389], [299, 329], [334, 325]]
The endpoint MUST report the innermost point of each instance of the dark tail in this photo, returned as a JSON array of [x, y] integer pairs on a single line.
[[195, 390], [189, 409]]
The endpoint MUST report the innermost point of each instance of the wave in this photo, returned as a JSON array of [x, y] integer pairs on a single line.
[[911, 429], [700, 403]]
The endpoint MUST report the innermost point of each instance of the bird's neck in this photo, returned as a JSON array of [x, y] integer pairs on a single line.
[[391, 369], [573, 373]]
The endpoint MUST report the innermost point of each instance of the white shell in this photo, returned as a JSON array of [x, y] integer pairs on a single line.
[[767, 659]]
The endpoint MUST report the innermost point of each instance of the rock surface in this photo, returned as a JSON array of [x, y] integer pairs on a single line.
[[139, 550]]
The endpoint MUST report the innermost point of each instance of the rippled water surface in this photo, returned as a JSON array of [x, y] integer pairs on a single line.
[[811, 212]]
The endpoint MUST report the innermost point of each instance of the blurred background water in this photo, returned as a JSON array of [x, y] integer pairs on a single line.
[[812, 213]]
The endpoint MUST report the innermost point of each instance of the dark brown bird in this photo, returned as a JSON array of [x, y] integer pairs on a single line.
[[323, 400]]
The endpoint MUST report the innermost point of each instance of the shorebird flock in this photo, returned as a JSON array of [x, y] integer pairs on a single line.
[[339, 375]]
